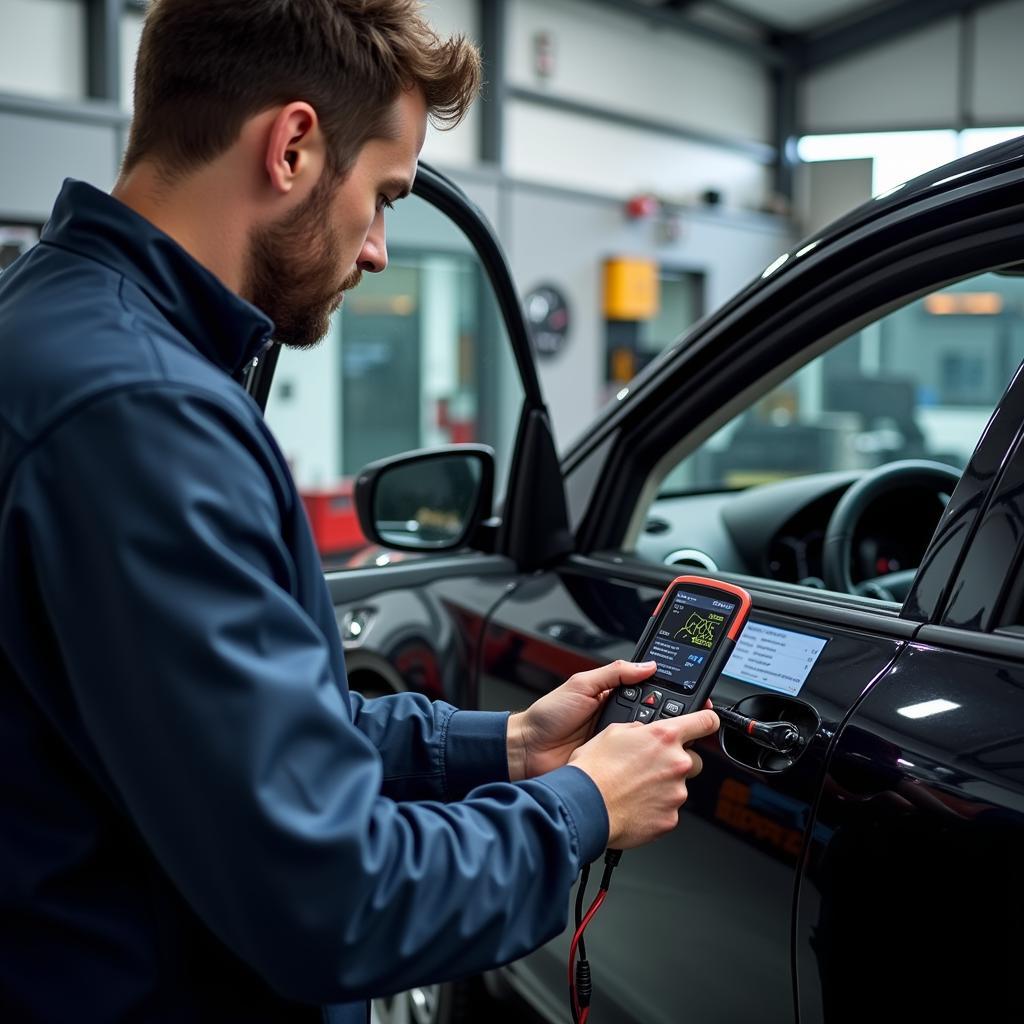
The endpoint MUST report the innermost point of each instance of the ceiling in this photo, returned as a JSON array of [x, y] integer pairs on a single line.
[[800, 15], [799, 34]]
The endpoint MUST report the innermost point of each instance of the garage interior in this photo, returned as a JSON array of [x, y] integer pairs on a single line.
[[641, 163], [696, 141]]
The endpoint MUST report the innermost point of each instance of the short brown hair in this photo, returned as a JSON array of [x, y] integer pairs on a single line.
[[205, 66]]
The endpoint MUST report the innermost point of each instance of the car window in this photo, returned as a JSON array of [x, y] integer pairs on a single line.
[[417, 356], [919, 383]]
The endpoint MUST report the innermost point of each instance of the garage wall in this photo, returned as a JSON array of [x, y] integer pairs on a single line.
[[561, 238], [997, 90], [40, 152], [131, 30], [46, 55], [560, 149], [610, 62], [959, 71], [617, 63], [459, 146]]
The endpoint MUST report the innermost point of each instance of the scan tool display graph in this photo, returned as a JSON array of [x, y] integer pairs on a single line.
[[687, 634], [700, 630]]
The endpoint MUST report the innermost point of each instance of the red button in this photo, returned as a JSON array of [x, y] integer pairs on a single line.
[[653, 699]]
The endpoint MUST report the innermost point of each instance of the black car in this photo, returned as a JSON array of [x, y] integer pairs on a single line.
[[844, 439]]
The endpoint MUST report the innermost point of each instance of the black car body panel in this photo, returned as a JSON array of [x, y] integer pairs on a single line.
[[911, 885], [420, 630]]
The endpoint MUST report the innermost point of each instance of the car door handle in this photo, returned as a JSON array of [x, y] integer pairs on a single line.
[[783, 737], [767, 732]]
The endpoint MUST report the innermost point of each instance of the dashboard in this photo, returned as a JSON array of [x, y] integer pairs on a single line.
[[777, 530]]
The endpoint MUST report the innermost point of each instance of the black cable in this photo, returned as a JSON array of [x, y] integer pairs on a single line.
[[581, 891], [580, 981]]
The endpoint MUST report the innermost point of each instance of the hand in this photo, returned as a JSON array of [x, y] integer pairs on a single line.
[[544, 736], [641, 771]]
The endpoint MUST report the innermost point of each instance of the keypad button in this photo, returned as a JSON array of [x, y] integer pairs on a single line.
[[628, 694], [653, 699], [645, 714], [672, 708]]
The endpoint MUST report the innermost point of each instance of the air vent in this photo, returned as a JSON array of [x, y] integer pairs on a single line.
[[656, 526], [691, 558]]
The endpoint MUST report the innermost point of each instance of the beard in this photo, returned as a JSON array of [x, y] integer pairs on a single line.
[[292, 272]]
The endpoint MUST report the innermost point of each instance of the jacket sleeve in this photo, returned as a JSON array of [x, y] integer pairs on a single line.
[[155, 518], [429, 749]]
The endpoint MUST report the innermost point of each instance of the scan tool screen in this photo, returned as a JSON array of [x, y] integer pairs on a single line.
[[687, 634]]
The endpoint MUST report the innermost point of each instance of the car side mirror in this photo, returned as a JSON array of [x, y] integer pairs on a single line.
[[436, 499]]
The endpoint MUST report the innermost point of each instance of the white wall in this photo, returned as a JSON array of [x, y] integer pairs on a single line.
[[915, 80], [997, 96], [131, 31], [620, 62], [553, 147], [307, 423], [907, 83], [455, 147], [623, 64], [42, 48], [39, 153]]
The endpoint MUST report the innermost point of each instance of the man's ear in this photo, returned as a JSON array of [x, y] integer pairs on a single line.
[[295, 148]]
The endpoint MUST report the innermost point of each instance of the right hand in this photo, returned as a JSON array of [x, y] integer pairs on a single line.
[[641, 772]]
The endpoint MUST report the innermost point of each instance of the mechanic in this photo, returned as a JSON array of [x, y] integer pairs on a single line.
[[197, 819]]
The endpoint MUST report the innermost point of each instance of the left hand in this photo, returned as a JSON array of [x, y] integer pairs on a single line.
[[542, 738]]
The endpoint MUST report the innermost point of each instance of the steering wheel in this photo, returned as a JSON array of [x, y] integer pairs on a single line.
[[838, 550]]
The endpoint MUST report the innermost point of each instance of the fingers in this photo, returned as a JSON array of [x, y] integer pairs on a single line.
[[693, 726], [600, 680]]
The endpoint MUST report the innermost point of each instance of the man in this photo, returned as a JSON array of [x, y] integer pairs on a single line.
[[199, 821]]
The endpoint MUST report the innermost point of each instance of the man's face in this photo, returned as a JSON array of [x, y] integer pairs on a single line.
[[300, 267]]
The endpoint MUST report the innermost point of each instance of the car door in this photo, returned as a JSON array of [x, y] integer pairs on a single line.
[[702, 924], [919, 829], [433, 351]]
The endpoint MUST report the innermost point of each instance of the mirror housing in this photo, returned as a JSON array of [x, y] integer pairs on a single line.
[[431, 500]]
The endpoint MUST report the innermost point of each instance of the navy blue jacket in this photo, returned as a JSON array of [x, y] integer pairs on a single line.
[[197, 819]]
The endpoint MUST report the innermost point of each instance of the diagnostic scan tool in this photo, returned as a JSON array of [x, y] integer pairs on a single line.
[[690, 635]]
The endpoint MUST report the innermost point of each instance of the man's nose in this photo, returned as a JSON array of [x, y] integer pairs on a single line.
[[373, 257]]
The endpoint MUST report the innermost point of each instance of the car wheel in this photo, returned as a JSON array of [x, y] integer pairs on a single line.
[[428, 1004]]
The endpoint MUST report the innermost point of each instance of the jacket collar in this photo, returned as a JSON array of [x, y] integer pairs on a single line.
[[223, 327]]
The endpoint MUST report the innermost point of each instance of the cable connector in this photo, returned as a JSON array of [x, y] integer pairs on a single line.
[[611, 862], [780, 736], [584, 986]]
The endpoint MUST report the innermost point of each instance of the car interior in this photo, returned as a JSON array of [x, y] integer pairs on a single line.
[[888, 417]]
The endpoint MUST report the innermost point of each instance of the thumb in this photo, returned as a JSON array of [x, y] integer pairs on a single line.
[[599, 680]]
